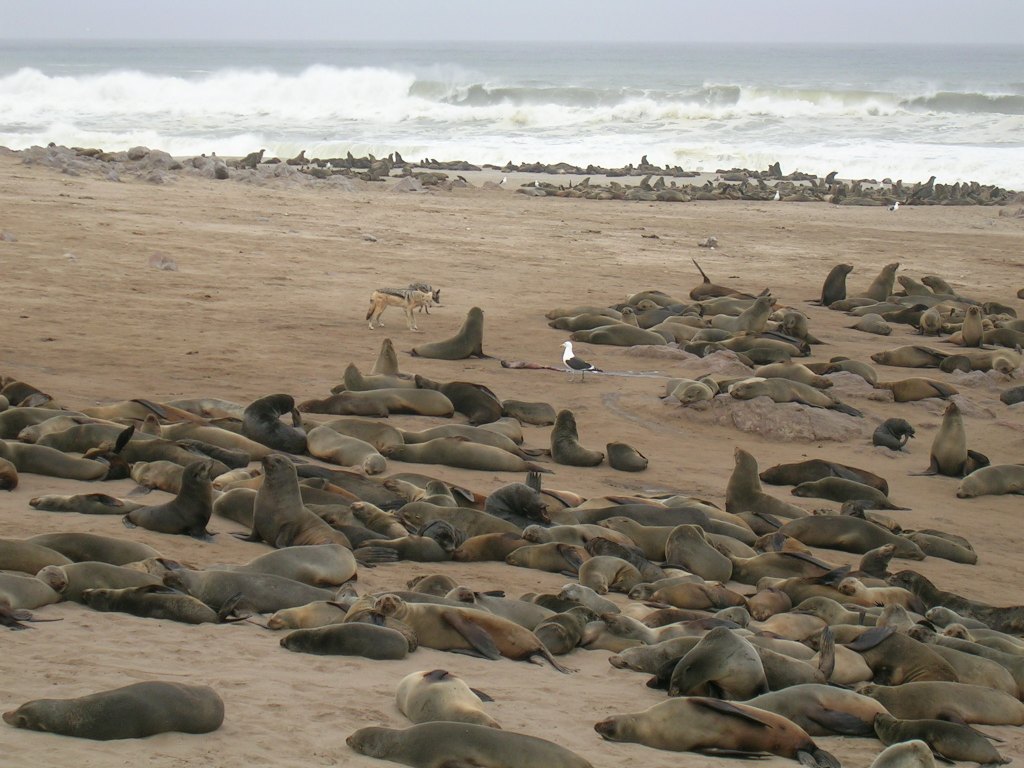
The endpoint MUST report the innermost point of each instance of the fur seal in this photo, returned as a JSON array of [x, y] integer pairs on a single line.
[[441, 744], [619, 335], [698, 724], [625, 458], [538, 414], [910, 356], [71, 580], [325, 443], [992, 481], [352, 639], [949, 453], [262, 592], [896, 659], [472, 434], [916, 388], [834, 288], [309, 616], [793, 372], [45, 460], [872, 323], [85, 547], [261, 422], [946, 700], [788, 391], [882, 286], [189, 511], [907, 754], [687, 547], [460, 452], [20, 592], [465, 629], [467, 342], [722, 664], [279, 517], [8, 475], [972, 329], [848, 534], [605, 574], [153, 602], [1010, 620], [565, 443], [132, 712], [382, 402], [840, 489], [319, 565], [387, 360], [816, 469], [353, 380], [744, 494], [823, 710], [892, 434], [26, 557], [440, 695], [475, 401], [949, 741]]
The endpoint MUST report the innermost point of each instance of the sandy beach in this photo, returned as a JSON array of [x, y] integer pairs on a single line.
[[269, 295]]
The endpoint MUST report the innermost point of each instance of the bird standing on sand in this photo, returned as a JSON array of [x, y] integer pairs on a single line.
[[503, 182], [895, 206], [778, 196], [573, 363]]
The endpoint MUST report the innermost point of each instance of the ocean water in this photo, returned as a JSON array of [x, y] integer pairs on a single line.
[[866, 112]]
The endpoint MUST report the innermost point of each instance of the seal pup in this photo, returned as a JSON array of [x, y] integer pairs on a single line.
[[699, 724], [261, 422], [440, 695], [565, 443], [906, 754], [949, 741], [892, 434], [132, 712], [189, 512], [468, 342], [352, 639], [444, 744]]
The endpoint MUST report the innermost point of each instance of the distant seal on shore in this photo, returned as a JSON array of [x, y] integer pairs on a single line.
[[460, 452], [950, 741], [539, 414], [565, 443], [440, 695], [949, 453], [387, 360], [151, 603], [132, 712], [972, 329], [382, 402], [625, 458], [467, 342], [840, 489], [698, 724], [882, 286], [475, 401], [438, 744], [261, 422], [946, 700], [188, 513], [327, 444], [789, 391], [913, 389], [816, 469], [352, 639]]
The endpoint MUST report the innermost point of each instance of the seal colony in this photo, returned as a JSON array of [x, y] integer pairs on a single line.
[[669, 569]]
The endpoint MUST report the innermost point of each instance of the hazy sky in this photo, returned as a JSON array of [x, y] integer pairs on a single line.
[[764, 21]]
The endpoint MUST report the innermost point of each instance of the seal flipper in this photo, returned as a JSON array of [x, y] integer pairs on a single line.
[[481, 695], [826, 652], [842, 723], [533, 480], [847, 409], [726, 708], [474, 634], [817, 758], [871, 638], [371, 556], [706, 279]]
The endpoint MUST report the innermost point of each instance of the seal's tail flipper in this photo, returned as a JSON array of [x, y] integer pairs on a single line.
[[817, 758]]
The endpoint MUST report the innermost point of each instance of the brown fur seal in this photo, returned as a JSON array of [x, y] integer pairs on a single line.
[[279, 517], [896, 659], [440, 695], [382, 402], [468, 342], [19, 592], [744, 494], [848, 534], [261, 422], [882, 286], [944, 700], [840, 489], [475, 401], [914, 389], [793, 372], [834, 287], [687, 547], [71, 580], [722, 664], [788, 391], [8, 475], [538, 414], [45, 460], [823, 710], [353, 380], [26, 557], [466, 629], [460, 452], [619, 335], [82, 547], [262, 592], [907, 754], [816, 469], [447, 745], [972, 329], [992, 481], [328, 445], [189, 511], [84, 504], [353, 639], [387, 360], [152, 603], [698, 724], [625, 458], [892, 434], [319, 565], [950, 741], [949, 453], [132, 712], [565, 443]]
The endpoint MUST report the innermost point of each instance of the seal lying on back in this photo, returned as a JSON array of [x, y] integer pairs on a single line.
[[448, 745], [132, 712], [698, 724]]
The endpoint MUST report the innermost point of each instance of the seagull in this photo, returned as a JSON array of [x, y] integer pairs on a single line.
[[503, 182], [573, 363], [778, 196], [895, 206]]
